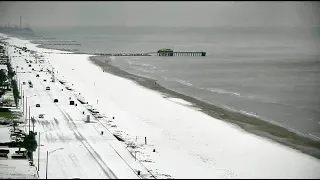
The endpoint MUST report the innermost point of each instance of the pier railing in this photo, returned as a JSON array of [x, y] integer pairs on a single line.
[[145, 54]]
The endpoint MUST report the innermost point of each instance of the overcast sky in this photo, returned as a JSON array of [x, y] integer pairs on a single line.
[[165, 13]]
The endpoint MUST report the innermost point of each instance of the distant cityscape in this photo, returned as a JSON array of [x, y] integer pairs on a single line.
[[16, 28]]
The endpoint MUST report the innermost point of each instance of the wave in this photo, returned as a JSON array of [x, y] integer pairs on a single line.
[[253, 97], [253, 114], [141, 69], [260, 99], [184, 82], [148, 65], [221, 91]]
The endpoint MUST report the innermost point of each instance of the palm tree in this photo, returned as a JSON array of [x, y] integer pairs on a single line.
[[15, 124]]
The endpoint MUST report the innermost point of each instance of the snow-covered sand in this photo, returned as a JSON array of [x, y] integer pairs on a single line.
[[187, 142]]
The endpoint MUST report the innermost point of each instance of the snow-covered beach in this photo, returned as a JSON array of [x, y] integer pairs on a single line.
[[187, 142]]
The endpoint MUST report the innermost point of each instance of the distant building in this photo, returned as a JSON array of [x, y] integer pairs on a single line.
[[165, 52]]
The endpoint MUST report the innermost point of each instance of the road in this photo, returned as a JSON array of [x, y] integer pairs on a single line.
[[86, 152]]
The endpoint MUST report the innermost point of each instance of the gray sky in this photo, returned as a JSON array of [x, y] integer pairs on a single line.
[[165, 13]]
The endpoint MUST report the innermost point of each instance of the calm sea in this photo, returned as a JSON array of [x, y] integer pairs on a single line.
[[273, 73]]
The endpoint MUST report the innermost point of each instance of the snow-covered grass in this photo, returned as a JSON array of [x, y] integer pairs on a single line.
[[16, 169], [187, 142], [4, 133]]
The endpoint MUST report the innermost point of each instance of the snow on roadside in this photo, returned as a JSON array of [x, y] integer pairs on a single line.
[[187, 143]]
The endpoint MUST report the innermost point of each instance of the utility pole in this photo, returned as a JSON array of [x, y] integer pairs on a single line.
[[39, 153], [20, 21]]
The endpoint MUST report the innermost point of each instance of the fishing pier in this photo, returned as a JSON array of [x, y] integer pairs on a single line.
[[161, 52], [170, 52]]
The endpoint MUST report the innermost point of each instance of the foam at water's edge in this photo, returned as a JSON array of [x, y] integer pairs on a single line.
[[250, 122]]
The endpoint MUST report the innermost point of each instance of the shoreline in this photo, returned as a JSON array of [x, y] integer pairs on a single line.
[[59, 49], [226, 158], [247, 123]]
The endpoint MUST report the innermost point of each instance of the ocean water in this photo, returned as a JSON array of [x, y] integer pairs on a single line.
[[272, 73]]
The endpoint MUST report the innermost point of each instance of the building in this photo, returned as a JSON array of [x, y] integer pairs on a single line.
[[165, 52]]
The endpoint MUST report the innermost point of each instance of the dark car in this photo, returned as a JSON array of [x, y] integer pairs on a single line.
[[44, 80], [29, 65], [37, 105], [55, 100], [37, 75]]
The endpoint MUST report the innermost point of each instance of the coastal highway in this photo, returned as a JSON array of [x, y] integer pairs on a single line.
[[83, 152]]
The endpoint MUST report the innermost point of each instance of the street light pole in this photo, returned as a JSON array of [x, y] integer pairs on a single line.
[[39, 148], [29, 119], [18, 85], [33, 121], [39, 153], [20, 92], [26, 108], [47, 165], [23, 102], [48, 160]]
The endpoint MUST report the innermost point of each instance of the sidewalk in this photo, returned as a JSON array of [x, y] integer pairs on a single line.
[[14, 168]]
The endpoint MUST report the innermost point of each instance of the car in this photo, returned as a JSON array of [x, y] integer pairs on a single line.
[[37, 105], [31, 85], [41, 115], [29, 65], [55, 100], [44, 80], [24, 83], [37, 75], [94, 111], [47, 88], [32, 69]]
